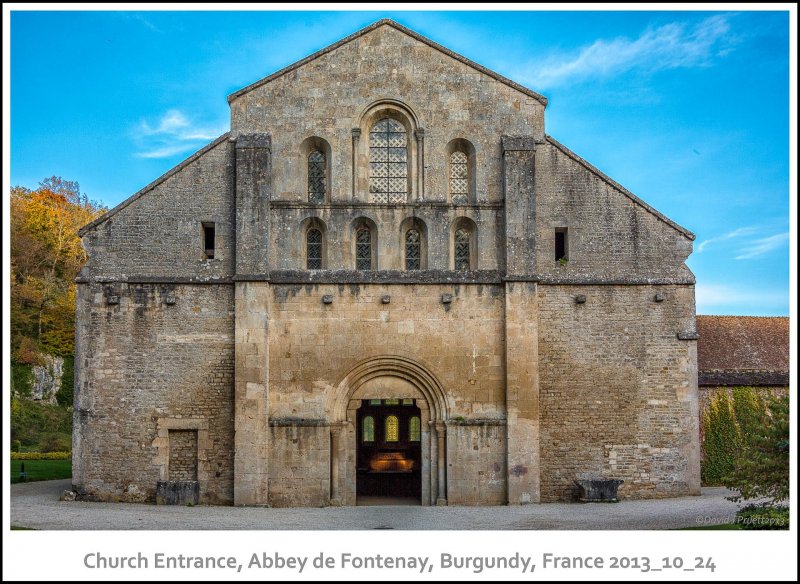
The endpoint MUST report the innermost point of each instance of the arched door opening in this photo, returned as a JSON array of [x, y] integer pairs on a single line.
[[388, 450], [381, 378]]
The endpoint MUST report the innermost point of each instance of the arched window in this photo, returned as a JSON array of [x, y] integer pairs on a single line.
[[363, 248], [313, 249], [461, 253], [368, 429], [459, 178], [316, 177], [388, 162], [413, 249], [414, 429], [392, 429]]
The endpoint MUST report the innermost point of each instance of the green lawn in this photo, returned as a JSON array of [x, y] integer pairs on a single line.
[[41, 470], [719, 527]]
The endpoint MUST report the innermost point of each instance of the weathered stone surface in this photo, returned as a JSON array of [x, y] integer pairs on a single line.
[[246, 371]]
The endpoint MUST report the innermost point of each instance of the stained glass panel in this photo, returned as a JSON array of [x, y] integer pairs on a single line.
[[368, 431], [414, 429], [392, 429]]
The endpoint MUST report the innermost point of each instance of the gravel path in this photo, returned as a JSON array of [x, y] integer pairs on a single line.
[[36, 505]]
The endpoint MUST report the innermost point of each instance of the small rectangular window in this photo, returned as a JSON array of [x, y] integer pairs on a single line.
[[209, 236], [561, 244]]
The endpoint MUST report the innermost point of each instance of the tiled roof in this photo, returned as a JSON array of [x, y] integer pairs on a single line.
[[743, 350]]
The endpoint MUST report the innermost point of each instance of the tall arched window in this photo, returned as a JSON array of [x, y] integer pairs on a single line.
[[461, 253], [313, 249], [388, 162], [368, 429], [413, 249], [459, 178], [414, 429], [316, 177], [392, 429], [363, 248]]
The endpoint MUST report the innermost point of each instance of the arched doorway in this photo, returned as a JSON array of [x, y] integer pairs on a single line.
[[388, 451], [388, 378]]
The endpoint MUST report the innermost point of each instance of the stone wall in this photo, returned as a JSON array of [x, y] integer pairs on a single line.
[[618, 390], [183, 455], [143, 367], [159, 231]]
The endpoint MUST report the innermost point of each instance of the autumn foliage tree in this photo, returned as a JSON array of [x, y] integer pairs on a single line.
[[46, 256]]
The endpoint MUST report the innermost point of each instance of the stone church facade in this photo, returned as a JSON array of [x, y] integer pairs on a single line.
[[386, 278]]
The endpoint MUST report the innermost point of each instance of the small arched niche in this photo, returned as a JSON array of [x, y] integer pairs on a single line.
[[414, 244], [316, 164], [313, 244], [461, 183], [463, 244]]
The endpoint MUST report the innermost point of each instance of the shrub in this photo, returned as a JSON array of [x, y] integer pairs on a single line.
[[762, 466], [41, 455], [763, 517]]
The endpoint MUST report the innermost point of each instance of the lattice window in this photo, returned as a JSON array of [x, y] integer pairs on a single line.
[[388, 162], [368, 429], [459, 178], [392, 429], [414, 429], [363, 249], [314, 249], [413, 249], [462, 249], [316, 177]]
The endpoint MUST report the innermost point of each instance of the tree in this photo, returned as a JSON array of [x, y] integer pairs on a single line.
[[46, 256]]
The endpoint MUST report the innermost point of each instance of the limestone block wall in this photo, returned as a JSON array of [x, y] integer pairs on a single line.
[[618, 390], [313, 345], [159, 231], [145, 366], [327, 96], [609, 236], [476, 463], [299, 464], [288, 225], [183, 455]]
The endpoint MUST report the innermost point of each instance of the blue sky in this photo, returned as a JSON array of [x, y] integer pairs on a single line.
[[689, 110]]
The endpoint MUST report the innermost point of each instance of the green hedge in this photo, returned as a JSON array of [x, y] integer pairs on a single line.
[[41, 456]]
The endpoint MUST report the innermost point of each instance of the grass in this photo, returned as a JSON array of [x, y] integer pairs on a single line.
[[719, 527], [41, 470]]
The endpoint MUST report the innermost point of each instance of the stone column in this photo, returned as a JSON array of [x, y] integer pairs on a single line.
[[441, 430], [336, 432], [252, 303], [521, 320], [419, 134], [520, 204], [356, 133]]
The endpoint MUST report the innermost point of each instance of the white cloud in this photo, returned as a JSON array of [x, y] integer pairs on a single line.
[[670, 46], [174, 133], [730, 235], [763, 246]]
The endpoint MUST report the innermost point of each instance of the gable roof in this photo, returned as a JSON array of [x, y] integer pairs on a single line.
[[415, 35], [743, 350]]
